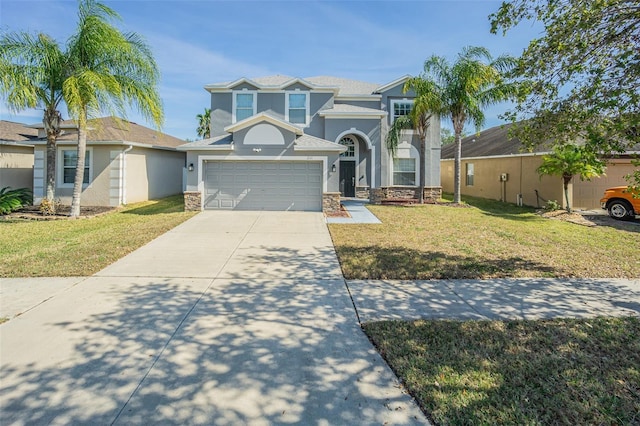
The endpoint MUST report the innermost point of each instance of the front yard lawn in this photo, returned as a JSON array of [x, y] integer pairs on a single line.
[[489, 239], [85, 246], [561, 371]]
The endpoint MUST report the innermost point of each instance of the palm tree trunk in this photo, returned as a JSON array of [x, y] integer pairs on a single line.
[[51, 121], [422, 170], [82, 148], [456, 167]]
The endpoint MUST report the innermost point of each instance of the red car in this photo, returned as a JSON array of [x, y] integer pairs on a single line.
[[621, 203]]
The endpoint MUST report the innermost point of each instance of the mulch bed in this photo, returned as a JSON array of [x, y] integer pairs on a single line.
[[576, 218], [342, 213], [33, 213]]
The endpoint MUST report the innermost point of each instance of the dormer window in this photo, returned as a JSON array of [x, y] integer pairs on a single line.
[[244, 105], [297, 107]]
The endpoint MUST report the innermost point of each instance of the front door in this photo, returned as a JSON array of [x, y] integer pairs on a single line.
[[348, 178]]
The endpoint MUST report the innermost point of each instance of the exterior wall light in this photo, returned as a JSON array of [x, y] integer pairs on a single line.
[[257, 149], [190, 167], [333, 168]]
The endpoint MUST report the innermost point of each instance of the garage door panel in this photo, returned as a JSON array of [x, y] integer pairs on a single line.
[[263, 185]]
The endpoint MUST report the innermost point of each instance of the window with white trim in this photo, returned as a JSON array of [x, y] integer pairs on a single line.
[[244, 105], [469, 174], [404, 171], [297, 107], [351, 147], [400, 107], [68, 170]]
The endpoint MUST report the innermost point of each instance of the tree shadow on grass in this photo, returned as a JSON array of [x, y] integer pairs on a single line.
[[375, 262], [517, 372]]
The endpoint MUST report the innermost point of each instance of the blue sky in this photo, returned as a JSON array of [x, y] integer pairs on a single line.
[[208, 41]]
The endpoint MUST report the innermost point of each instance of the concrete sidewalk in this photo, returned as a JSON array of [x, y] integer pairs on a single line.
[[495, 299], [230, 318]]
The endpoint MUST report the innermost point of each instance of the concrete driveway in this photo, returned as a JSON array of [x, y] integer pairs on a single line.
[[230, 318]]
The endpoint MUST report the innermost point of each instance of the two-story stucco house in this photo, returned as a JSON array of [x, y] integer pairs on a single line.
[[285, 143]]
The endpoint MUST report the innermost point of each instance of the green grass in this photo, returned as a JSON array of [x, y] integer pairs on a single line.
[[83, 247], [487, 240], [560, 371]]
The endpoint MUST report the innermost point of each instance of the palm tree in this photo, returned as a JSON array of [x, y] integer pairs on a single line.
[[465, 88], [32, 69], [426, 103], [568, 161], [108, 70], [204, 124]]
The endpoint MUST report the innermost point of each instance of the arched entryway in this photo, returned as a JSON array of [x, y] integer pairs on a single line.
[[348, 163]]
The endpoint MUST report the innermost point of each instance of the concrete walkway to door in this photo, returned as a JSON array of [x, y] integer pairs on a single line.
[[230, 318]]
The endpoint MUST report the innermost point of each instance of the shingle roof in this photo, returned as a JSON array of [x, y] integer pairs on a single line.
[[272, 80], [346, 86], [18, 132], [491, 142], [351, 109], [222, 141], [116, 129], [308, 142]]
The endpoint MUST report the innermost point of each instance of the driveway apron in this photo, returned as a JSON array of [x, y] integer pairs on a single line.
[[230, 318]]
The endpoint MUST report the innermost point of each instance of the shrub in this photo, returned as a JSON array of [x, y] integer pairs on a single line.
[[14, 199], [552, 206], [49, 207]]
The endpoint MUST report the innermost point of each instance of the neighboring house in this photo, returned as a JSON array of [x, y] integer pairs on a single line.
[[497, 167], [125, 163], [285, 143], [16, 155]]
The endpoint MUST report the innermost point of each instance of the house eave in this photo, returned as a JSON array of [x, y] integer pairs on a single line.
[[255, 119], [393, 84], [225, 148], [110, 142], [317, 149], [352, 115], [356, 97]]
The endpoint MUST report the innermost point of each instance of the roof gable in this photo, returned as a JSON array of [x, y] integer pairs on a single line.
[[263, 117], [393, 84]]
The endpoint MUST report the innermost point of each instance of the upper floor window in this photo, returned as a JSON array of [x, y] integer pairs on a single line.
[[244, 105], [297, 107], [400, 107]]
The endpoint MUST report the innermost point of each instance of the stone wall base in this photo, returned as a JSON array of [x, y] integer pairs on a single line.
[[362, 192], [192, 201], [330, 202], [377, 195]]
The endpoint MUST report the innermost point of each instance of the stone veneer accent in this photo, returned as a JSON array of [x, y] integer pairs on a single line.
[[362, 192], [431, 194], [192, 201], [331, 202]]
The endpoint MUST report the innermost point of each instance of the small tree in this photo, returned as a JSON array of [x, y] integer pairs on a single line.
[[204, 124], [568, 161], [465, 88]]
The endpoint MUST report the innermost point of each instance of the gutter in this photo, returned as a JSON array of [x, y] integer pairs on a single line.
[[124, 174]]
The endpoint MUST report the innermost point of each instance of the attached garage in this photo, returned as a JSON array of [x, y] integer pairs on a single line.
[[263, 185]]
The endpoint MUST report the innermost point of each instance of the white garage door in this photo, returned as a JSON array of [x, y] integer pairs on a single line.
[[263, 185]]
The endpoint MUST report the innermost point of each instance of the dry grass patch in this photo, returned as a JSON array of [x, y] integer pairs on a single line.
[[488, 240], [83, 247], [562, 371]]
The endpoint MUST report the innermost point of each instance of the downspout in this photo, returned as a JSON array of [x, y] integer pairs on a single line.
[[124, 174]]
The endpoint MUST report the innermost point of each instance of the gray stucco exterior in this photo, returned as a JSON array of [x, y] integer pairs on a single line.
[[335, 109]]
